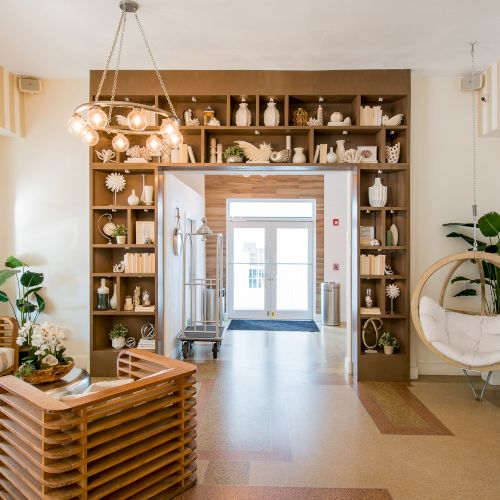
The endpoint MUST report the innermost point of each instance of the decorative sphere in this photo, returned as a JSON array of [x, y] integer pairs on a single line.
[[154, 145], [120, 143], [90, 137], [97, 118], [169, 126], [137, 119], [76, 125]]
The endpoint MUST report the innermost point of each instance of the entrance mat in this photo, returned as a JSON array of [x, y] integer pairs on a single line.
[[273, 325]]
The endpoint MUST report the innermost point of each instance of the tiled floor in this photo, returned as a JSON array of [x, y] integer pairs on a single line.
[[279, 420]]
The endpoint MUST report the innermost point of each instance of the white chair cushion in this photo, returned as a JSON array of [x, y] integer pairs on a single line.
[[6, 358], [469, 339]]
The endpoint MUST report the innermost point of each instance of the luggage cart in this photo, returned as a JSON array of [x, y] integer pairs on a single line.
[[205, 322]]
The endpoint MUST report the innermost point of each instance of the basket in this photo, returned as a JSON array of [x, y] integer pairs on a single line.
[[48, 374]]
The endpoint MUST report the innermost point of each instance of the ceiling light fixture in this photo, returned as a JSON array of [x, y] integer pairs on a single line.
[[96, 115]]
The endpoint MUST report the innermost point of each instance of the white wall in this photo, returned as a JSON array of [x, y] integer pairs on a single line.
[[441, 183], [192, 206], [45, 209]]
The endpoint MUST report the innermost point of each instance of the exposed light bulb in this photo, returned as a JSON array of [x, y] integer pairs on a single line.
[[169, 126], [137, 119], [90, 137], [120, 143], [97, 118], [175, 139], [154, 145], [76, 125]]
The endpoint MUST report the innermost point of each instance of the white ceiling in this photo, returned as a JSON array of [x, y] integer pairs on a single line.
[[66, 38]]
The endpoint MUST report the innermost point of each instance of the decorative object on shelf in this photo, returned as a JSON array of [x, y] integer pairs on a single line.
[[300, 117], [130, 342], [144, 232], [340, 150], [320, 115], [116, 183], [179, 155], [46, 360], [192, 158], [392, 291], [121, 120], [106, 155], [352, 156], [288, 144], [119, 268], [392, 153], [374, 243], [368, 298], [208, 114], [108, 228], [282, 156], [178, 236], [366, 234], [189, 121], [373, 324], [129, 303], [377, 194], [118, 335], [148, 331], [370, 116], [90, 117], [103, 296], [213, 150], [388, 342], [219, 153], [213, 122], [256, 154], [368, 154], [388, 270], [388, 238], [392, 122], [336, 117], [271, 114], [298, 155], [138, 154], [29, 284], [145, 299], [243, 115], [133, 199], [395, 234], [166, 152], [113, 301], [313, 122], [233, 154], [120, 233], [147, 193], [343, 123], [331, 157], [137, 296]]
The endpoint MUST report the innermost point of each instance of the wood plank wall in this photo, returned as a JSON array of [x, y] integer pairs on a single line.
[[218, 188]]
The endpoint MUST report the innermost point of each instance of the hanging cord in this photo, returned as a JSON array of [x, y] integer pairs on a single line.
[[474, 147]]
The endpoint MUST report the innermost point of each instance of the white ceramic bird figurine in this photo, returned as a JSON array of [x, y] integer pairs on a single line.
[[256, 154], [392, 122]]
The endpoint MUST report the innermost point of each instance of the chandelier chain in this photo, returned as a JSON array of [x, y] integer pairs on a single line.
[[110, 55], [160, 79], [474, 147], [118, 57]]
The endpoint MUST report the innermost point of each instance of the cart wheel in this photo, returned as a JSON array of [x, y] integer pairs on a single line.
[[185, 349], [214, 350]]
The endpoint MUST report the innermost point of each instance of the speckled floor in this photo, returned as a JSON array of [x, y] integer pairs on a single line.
[[278, 419]]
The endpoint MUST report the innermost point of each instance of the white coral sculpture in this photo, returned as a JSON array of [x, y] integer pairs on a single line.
[[352, 156], [106, 155], [115, 182], [314, 122], [392, 291], [139, 152], [256, 154]]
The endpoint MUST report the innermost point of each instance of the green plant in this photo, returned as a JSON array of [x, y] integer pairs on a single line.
[[234, 150], [387, 340], [118, 330], [29, 303], [120, 230], [489, 227]]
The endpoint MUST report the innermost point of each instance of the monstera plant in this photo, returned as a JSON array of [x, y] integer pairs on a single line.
[[28, 303], [489, 227]]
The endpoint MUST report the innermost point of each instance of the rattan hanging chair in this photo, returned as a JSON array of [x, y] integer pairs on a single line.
[[468, 340]]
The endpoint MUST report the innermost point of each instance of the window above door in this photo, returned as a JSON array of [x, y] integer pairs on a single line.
[[269, 209]]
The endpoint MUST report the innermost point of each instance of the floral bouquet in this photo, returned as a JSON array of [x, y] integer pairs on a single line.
[[46, 360]]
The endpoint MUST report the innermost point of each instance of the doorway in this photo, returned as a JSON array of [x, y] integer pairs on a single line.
[[271, 259]]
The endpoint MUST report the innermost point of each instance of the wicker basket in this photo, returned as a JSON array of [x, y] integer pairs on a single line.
[[48, 374]]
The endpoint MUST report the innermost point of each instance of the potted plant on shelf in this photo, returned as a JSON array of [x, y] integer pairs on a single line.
[[117, 335], [46, 360], [233, 154], [120, 233], [388, 342]]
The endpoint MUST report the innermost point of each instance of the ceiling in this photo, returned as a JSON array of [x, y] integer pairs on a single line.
[[66, 38]]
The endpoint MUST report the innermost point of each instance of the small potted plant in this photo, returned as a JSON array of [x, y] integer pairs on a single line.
[[117, 335], [388, 342], [233, 154], [120, 233]]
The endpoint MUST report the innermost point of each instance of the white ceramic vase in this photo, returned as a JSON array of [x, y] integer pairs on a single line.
[[103, 296], [377, 194], [118, 343], [133, 199], [392, 153], [388, 349], [148, 195], [331, 157], [271, 115], [341, 151], [243, 115], [299, 156], [319, 115], [113, 301]]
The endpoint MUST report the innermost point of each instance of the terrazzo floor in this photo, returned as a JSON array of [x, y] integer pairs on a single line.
[[279, 420]]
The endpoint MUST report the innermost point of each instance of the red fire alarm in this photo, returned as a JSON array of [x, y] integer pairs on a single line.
[[336, 222], [336, 267]]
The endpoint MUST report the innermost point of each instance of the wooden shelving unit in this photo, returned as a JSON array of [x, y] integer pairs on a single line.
[[343, 91]]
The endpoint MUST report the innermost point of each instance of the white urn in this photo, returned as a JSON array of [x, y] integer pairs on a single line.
[[271, 114], [331, 157], [299, 156], [243, 115], [377, 194], [340, 151]]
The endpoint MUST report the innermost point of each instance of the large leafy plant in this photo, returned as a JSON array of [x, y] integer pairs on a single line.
[[489, 227], [28, 303]]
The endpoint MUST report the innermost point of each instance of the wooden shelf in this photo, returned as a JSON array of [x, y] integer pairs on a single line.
[[382, 209], [384, 316], [124, 275], [126, 246], [124, 207], [380, 277], [123, 313], [382, 247]]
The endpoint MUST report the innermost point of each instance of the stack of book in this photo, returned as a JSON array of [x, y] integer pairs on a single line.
[[140, 308], [371, 265], [139, 262], [370, 310], [370, 115], [149, 344]]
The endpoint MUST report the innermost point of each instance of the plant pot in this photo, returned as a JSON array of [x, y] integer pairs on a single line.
[[48, 374], [234, 159], [388, 349], [118, 343], [121, 240]]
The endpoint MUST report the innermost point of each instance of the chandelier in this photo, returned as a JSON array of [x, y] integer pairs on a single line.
[[90, 117]]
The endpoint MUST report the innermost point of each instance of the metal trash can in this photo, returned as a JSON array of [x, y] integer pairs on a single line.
[[209, 304], [330, 304]]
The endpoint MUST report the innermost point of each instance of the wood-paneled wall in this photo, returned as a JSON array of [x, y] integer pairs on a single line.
[[218, 188]]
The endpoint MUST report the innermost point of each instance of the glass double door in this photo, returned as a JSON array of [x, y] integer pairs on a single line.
[[270, 270]]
